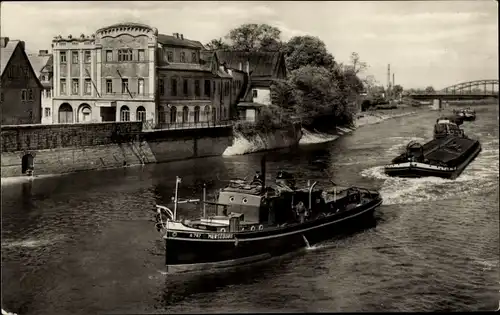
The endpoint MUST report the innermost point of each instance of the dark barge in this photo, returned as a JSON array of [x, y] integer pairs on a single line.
[[254, 222], [446, 156], [467, 114]]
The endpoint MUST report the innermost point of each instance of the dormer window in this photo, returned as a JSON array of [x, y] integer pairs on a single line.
[[194, 59]]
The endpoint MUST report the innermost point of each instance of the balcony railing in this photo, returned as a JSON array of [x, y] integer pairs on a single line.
[[126, 95], [193, 125]]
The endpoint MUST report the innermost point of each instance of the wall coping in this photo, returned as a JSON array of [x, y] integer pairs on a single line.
[[35, 126]]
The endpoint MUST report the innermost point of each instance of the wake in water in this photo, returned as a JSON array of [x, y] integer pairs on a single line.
[[29, 243], [309, 137], [480, 176]]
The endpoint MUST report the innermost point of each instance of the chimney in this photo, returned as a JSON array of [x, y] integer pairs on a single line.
[[182, 36], [176, 35], [43, 52], [247, 67], [240, 67], [4, 41]]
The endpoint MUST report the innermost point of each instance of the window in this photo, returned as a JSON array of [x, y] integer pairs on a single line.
[[173, 114], [109, 55], [49, 93], [87, 87], [125, 55], [185, 87], [185, 114], [174, 87], [141, 113], [63, 86], [63, 57], [124, 85], [1, 96], [47, 112], [30, 94], [23, 95], [197, 114], [109, 86], [42, 78], [141, 55], [161, 87], [140, 86], [87, 56], [124, 113], [183, 56], [197, 87], [170, 56], [207, 87], [254, 93], [75, 87], [74, 57], [193, 57]]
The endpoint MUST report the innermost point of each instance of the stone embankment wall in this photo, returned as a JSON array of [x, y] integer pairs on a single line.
[[65, 148]]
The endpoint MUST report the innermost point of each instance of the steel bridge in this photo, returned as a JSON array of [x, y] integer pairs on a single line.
[[477, 89]]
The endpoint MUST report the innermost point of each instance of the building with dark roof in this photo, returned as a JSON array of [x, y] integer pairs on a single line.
[[42, 65], [128, 72], [20, 89]]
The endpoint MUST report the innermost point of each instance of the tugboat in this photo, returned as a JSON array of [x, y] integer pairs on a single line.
[[467, 114], [446, 156], [254, 222], [446, 126]]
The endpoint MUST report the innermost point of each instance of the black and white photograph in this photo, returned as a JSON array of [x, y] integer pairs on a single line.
[[169, 157]]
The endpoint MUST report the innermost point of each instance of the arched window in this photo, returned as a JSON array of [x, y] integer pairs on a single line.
[[197, 114], [214, 114], [140, 114], [124, 113], [84, 113], [65, 114], [207, 113], [161, 115], [185, 114], [173, 115]]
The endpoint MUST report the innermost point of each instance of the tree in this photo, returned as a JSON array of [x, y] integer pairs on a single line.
[[397, 90], [217, 44], [282, 94], [357, 65], [255, 37], [303, 51], [429, 90]]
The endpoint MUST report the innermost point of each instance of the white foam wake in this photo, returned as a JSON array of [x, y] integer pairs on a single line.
[[309, 137], [480, 176], [29, 243], [242, 145]]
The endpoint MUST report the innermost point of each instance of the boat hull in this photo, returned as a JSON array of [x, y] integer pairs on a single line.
[[415, 169], [469, 118], [200, 251]]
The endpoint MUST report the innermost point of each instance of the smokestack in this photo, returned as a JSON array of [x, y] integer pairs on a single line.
[[388, 76], [393, 81]]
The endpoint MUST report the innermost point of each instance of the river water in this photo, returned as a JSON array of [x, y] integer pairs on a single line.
[[85, 243]]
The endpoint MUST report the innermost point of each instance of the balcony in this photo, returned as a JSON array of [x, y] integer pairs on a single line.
[[135, 95]]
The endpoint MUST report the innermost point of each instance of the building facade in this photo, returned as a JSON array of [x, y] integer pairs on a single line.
[[20, 89], [108, 76], [193, 88], [42, 65]]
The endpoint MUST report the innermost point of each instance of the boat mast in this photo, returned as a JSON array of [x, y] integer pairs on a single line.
[[204, 200], [177, 181]]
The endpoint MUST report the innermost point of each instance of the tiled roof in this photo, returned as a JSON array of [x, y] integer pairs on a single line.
[[6, 52], [174, 41], [38, 62], [183, 66], [262, 64]]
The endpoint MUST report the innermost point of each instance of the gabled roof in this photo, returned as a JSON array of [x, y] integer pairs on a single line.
[[6, 52], [38, 62], [174, 41], [263, 64]]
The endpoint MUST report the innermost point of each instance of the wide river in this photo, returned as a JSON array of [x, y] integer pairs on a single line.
[[85, 243]]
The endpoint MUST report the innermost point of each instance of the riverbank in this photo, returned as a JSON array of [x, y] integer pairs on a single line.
[[362, 119]]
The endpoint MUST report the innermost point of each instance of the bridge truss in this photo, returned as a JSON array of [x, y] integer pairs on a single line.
[[477, 87]]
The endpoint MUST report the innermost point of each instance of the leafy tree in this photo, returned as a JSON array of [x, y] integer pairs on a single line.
[[255, 37], [429, 90], [397, 90], [357, 66], [283, 94], [217, 44], [303, 51]]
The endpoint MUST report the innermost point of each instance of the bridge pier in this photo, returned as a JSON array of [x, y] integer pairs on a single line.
[[437, 104]]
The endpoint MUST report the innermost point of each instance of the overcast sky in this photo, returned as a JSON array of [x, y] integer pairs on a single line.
[[436, 43]]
